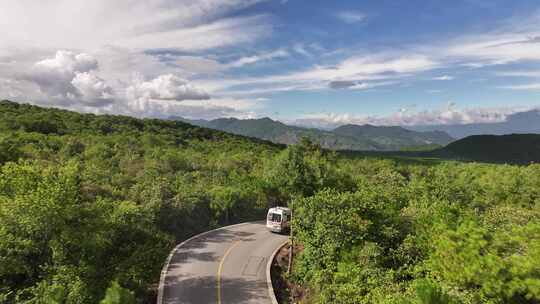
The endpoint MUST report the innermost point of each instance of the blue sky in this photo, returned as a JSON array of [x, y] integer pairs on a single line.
[[315, 63]]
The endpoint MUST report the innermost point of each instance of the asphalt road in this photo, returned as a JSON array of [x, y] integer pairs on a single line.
[[224, 266]]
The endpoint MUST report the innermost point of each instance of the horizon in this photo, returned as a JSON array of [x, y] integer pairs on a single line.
[[404, 64]]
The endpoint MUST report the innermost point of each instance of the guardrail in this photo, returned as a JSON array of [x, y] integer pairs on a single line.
[[269, 273]]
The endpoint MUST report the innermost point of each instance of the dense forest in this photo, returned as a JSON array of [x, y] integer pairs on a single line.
[[91, 205], [431, 234]]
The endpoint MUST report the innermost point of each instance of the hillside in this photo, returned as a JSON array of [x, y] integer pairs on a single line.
[[514, 148], [394, 138], [350, 137], [519, 123], [91, 205], [277, 132], [88, 202]]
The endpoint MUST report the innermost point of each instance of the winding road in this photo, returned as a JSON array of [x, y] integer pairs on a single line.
[[223, 266]]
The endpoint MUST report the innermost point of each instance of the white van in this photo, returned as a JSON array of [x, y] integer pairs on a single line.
[[278, 219]]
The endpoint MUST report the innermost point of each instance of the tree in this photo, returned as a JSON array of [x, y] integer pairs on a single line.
[[301, 170], [118, 295]]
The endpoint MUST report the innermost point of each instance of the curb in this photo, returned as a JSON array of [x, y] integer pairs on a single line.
[[169, 258], [271, 292]]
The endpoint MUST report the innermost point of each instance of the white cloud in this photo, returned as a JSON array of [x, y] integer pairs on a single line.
[[94, 91], [118, 63], [65, 61], [78, 82], [523, 87], [518, 40], [358, 85], [443, 77], [69, 78], [165, 87], [351, 16], [519, 73], [447, 115], [183, 51], [488, 53], [245, 105], [198, 65], [260, 57], [81, 24], [221, 33], [188, 109], [358, 71], [365, 68], [300, 49]]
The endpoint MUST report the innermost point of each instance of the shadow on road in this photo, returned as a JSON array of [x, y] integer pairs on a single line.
[[203, 290], [192, 249], [190, 288]]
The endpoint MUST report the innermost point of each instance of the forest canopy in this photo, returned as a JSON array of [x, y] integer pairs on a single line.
[[91, 205]]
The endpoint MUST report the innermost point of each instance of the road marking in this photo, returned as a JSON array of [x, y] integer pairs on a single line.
[[221, 267], [161, 288]]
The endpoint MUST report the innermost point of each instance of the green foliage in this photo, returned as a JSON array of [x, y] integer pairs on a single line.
[[9, 149], [88, 200], [502, 265], [449, 233], [301, 170], [430, 293], [118, 295]]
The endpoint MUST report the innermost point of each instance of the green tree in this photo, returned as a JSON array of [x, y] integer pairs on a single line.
[[118, 295]]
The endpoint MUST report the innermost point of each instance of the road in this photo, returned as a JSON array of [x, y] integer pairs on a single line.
[[224, 266]]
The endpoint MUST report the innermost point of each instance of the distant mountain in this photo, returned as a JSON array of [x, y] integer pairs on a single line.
[[514, 148], [350, 137], [522, 122], [394, 138]]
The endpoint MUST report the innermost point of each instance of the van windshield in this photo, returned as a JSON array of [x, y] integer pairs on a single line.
[[274, 217]]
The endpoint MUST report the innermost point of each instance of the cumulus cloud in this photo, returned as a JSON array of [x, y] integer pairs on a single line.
[[165, 87], [54, 75], [69, 78], [65, 61], [186, 52], [189, 109], [93, 89], [104, 82]]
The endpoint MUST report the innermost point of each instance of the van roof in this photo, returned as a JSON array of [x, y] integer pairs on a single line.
[[279, 210]]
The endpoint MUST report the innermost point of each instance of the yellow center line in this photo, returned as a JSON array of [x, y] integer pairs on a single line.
[[221, 267]]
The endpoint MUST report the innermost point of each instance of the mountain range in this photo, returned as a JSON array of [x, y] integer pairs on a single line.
[[513, 148], [517, 123], [347, 137]]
